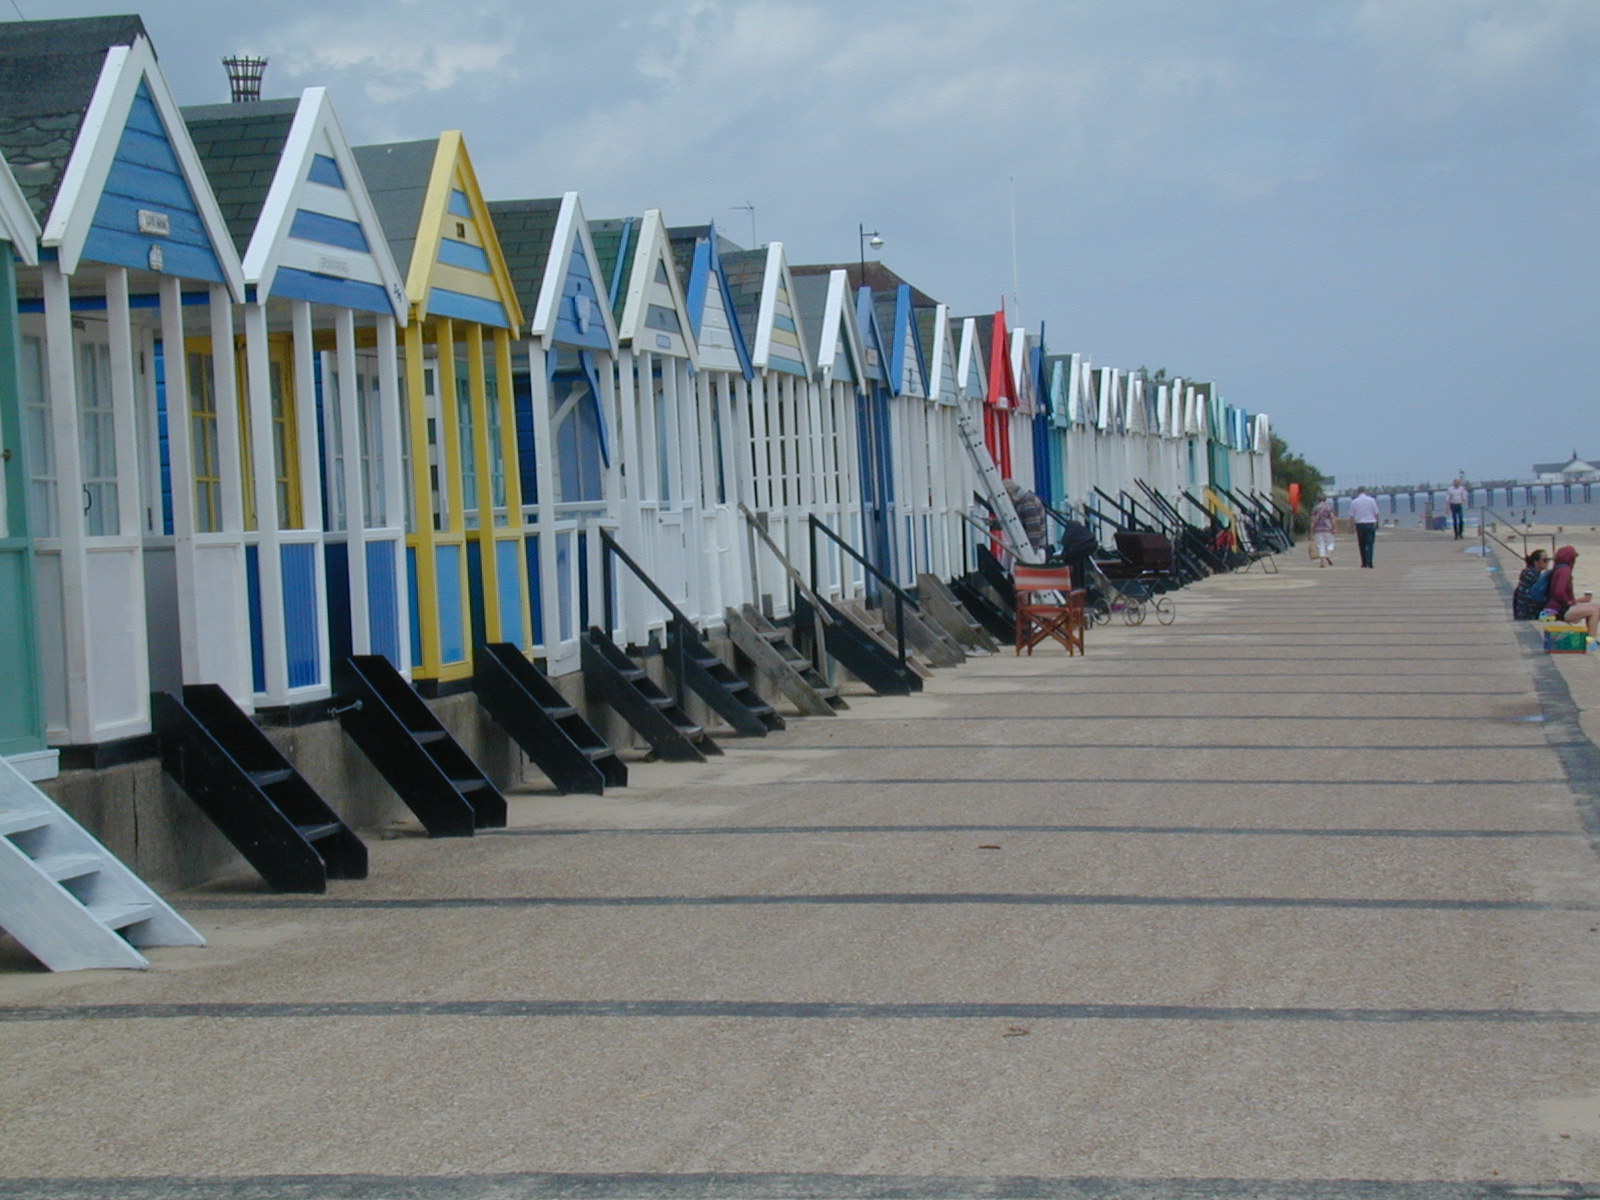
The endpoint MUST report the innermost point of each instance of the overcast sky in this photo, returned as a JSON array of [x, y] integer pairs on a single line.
[[1376, 221]]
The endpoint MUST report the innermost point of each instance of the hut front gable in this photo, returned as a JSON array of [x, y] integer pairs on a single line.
[[133, 193], [571, 308], [780, 343], [718, 337], [938, 338], [655, 314], [969, 362], [457, 269], [311, 233], [319, 238], [909, 367]]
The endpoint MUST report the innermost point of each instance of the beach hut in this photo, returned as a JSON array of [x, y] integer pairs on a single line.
[[833, 340], [910, 411], [324, 506], [722, 385], [466, 529], [951, 476], [783, 433], [658, 427], [22, 715], [133, 441], [564, 383]]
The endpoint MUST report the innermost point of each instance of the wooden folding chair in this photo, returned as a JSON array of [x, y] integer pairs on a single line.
[[1048, 607]]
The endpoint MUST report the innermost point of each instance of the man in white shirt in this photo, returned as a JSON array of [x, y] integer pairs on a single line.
[[1364, 515], [1456, 498]]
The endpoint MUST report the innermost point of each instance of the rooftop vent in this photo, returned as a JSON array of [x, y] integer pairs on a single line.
[[244, 74]]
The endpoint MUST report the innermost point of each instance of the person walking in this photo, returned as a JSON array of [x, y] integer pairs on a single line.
[[1364, 515], [1456, 497], [1323, 524]]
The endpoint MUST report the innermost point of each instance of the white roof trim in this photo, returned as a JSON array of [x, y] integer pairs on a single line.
[[16, 218], [654, 246], [570, 223], [261, 259], [67, 226]]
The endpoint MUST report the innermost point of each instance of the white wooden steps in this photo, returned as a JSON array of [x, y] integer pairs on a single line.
[[67, 899]]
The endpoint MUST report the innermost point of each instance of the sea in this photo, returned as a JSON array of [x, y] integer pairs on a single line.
[[1528, 504]]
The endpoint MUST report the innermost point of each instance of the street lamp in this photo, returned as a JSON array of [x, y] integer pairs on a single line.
[[863, 240]]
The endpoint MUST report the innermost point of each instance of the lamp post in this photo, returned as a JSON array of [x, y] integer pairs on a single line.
[[863, 240]]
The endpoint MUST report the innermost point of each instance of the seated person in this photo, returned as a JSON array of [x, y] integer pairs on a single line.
[[1532, 592], [1577, 610]]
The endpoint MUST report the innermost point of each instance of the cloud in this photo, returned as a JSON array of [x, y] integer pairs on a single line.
[[428, 52]]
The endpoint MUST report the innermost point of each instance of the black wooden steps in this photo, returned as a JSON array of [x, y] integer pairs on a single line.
[[551, 732], [243, 783], [612, 678], [423, 763], [727, 695]]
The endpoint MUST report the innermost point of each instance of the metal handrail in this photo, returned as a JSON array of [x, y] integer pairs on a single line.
[[609, 549], [819, 613], [901, 599], [1485, 537]]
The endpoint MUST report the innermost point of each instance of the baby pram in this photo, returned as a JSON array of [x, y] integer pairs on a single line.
[[1133, 583]]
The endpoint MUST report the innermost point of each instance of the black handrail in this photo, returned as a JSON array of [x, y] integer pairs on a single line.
[[901, 599], [611, 549], [1128, 522]]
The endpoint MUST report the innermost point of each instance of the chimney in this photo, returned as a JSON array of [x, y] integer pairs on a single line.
[[244, 74]]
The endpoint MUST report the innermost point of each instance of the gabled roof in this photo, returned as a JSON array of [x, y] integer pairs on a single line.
[[296, 203], [875, 275], [241, 146], [720, 341], [646, 294], [832, 337], [100, 151], [555, 267], [49, 71], [763, 294], [427, 198]]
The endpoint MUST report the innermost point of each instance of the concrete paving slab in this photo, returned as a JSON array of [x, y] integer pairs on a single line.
[[1297, 897]]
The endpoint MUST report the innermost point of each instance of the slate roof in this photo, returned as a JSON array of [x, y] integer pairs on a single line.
[[526, 229], [48, 73], [810, 298], [397, 177], [745, 271], [241, 146], [684, 239], [878, 277], [608, 242]]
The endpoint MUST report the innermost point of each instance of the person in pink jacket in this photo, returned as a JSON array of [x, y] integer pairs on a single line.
[[1577, 610]]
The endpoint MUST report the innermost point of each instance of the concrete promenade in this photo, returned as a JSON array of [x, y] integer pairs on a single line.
[[1298, 897]]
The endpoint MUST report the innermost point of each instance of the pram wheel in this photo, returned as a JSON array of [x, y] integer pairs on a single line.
[[1099, 612], [1133, 611], [1166, 611]]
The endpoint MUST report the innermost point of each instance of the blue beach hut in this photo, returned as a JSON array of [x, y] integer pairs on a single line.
[[133, 440], [564, 384], [324, 495]]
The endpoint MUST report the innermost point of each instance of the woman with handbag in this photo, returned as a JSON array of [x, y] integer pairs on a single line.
[[1322, 527]]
